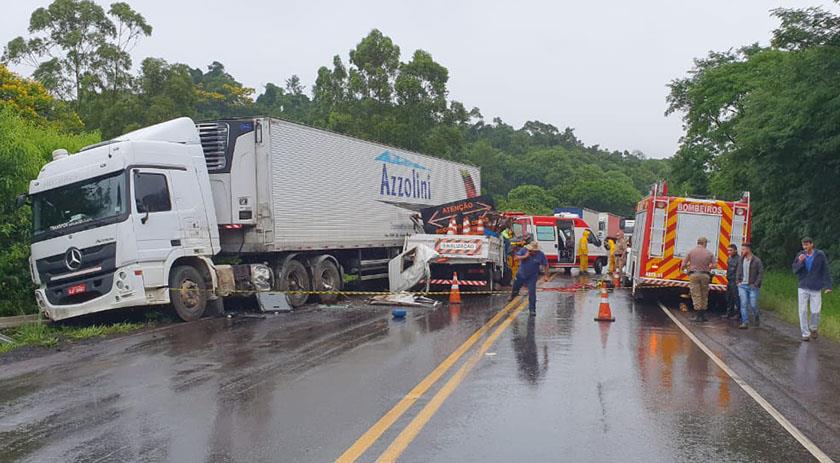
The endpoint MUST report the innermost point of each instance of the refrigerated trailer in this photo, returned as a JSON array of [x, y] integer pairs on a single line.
[[143, 219]]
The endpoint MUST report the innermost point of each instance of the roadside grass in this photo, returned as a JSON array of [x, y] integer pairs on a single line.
[[779, 294], [49, 335]]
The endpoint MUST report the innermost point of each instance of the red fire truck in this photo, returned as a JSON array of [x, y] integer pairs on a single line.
[[667, 227]]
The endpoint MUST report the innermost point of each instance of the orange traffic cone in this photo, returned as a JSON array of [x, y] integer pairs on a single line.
[[604, 311], [479, 229], [453, 227], [466, 230], [616, 280], [455, 291]]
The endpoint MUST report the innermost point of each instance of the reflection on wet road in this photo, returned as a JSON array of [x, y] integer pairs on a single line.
[[305, 386]]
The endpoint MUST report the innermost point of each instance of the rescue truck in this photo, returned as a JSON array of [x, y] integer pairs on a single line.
[[559, 238], [667, 227]]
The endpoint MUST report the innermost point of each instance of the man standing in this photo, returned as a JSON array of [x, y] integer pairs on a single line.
[[811, 266], [749, 275], [583, 252], [699, 263], [531, 260], [620, 251], [733, 301]]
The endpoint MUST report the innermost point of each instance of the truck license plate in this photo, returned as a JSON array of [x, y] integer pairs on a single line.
[[78, 289]]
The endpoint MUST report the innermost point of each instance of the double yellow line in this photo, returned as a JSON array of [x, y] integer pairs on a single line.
[[511, 310]]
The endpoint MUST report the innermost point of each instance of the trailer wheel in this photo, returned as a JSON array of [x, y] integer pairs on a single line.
[[188, 293], [327, 278], [599, 266], [294, 277]]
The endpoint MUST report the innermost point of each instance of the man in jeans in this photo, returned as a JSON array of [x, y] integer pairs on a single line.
[[698, 263], [749, 275], [531, 262], [811, 266], [733, 302]]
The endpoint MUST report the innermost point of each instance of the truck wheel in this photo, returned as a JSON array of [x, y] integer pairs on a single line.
[[599, 266], [327, 278], [567, 270], [188, 293], [293, 277]]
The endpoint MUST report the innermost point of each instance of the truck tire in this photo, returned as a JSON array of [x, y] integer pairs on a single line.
[[599, 266], [294, 277], [188, 292], [326, 277]]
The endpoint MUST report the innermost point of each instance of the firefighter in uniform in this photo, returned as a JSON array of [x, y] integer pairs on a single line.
[[611, 266], [698, 263], [620, 251], [583, 252]]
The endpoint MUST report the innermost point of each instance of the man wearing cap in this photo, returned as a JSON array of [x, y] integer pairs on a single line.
[[698, 263], [531, 261]]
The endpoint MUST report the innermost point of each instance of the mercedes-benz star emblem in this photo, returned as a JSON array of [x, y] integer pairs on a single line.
[[73, 259]]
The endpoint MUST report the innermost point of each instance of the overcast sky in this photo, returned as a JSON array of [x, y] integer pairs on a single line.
[[598, 66]]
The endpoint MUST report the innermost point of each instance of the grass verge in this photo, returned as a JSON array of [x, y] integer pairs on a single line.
[[779, 294], [48, 335]]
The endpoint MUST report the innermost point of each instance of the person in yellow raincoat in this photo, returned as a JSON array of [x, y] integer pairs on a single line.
[[612, 256], [583, 252]]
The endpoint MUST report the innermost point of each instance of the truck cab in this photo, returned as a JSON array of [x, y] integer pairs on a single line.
[[112, 222]]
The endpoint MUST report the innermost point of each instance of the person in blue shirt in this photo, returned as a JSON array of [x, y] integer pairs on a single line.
[[811, 266], [531, 261]]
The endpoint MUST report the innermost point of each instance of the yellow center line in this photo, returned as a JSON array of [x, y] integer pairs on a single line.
[[371, 435], [411, 431]]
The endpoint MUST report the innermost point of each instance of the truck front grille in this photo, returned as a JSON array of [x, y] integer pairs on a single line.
[[214, 141]]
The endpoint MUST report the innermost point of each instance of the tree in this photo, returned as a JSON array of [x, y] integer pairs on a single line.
[[30, 101], [530, 199], [77, 48]]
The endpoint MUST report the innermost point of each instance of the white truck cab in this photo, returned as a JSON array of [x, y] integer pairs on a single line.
[[111, 223]]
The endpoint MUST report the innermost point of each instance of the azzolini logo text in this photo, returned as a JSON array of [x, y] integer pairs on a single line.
[[415, 185]]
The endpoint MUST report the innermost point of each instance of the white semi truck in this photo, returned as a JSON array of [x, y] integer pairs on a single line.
[[145, 218]]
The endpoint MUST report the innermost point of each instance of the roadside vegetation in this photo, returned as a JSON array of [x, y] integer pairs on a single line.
[[50, 335], [778, 294]]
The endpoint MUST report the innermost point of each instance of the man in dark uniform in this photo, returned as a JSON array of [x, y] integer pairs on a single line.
[[531, 260], [733, 301]]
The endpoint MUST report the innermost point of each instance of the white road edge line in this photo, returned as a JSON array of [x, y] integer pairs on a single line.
[[789, 427]]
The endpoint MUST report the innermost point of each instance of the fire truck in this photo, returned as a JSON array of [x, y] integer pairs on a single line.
[[667, 227]]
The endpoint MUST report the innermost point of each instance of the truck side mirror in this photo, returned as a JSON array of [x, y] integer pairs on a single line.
[[21, 199]]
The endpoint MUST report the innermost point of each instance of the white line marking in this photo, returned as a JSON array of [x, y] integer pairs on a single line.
[[789, 427]]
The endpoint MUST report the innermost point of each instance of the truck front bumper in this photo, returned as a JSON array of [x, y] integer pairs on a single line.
[[126, 291]]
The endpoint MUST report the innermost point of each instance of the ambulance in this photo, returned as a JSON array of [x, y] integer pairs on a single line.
[[667, 227], [559, 238]]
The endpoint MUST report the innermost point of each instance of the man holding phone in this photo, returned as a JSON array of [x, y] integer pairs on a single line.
[[531, 262], [811, 266]]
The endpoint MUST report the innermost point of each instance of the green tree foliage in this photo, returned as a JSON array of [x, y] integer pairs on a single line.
[[530, 199], [77, 48], [24, 147], [768, 120]]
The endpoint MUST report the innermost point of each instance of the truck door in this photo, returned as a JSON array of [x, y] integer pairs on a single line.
[[156, 223]]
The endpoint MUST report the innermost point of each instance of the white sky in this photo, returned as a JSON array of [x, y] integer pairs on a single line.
[[598, 66]]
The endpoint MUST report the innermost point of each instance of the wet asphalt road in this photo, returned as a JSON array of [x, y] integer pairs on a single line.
[[306, 386]]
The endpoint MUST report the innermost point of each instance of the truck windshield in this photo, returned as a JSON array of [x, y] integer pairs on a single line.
[[79, 205]]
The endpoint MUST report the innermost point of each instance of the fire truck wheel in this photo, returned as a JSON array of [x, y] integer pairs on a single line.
[[327, 278], [294, 277], [599, 266], [188, 292]]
